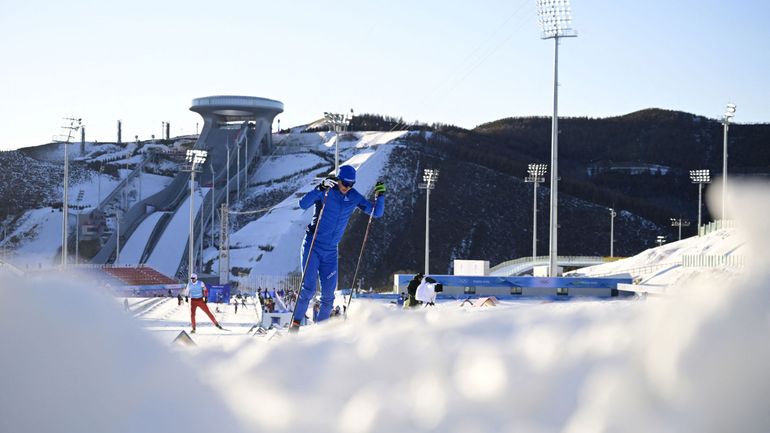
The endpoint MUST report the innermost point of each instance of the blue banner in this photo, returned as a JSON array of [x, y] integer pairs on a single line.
[[219, 294]]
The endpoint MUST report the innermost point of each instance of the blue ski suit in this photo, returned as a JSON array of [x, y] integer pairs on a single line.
[[322, 262]]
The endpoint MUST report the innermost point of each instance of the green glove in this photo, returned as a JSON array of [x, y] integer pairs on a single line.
[[379, 189]]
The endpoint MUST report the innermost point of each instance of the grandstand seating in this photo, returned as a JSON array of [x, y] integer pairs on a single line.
[[138, 276]]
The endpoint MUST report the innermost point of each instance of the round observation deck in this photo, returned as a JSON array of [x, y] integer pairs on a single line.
[[228, 108]]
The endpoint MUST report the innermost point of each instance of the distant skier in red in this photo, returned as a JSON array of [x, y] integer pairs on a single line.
[[198, 293]]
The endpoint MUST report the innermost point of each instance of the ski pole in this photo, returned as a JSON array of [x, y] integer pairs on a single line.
[[360, 254], [309, 253]]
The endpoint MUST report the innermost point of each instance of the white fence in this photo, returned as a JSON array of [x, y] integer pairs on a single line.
[[713, 261], [716, 225], [277, 282]]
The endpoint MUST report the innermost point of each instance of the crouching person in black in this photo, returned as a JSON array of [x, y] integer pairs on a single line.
[[426, 291], [411, 290]]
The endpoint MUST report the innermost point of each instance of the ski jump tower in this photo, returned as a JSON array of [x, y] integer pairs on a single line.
[[237, 134]]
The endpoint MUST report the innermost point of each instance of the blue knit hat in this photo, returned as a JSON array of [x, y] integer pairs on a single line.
[[347, 173]]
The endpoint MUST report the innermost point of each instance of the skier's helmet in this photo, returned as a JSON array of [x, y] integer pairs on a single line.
[[194, 276], [347, 175]]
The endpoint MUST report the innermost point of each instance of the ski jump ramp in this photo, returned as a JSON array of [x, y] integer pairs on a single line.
[[242, 124]]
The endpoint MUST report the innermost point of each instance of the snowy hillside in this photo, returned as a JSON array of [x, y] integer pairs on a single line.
[[32, 179], [270, 244]]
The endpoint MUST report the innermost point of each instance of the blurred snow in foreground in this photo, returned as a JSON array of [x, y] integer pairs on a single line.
[[694, 361]]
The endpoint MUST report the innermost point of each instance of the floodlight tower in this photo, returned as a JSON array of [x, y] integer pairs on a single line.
[[555, 19], [195, 157], [77, 226], [237, 169], [213, 190], [700, 177], [613, 214], [227, 176], [339, 122], [429, 178], [660, 240], [536, 173], [65, 209], [679, 222], [74, 125], [729, 114]]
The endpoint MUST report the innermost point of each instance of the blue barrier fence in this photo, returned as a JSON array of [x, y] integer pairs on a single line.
[[515, 281]]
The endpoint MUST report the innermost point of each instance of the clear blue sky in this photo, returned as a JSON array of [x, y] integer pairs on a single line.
[[447, 61]]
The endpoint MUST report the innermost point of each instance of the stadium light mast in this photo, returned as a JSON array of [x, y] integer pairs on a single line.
[[227, 182], [195, 157], [429, 178], [118, 214], [700, 177], [555, 18], [613, 214], [729, 114], [213, 191], [339, 122], [74, 125], [237, 170], [679, 222], [77, 226], [536, 173], [65, 209]]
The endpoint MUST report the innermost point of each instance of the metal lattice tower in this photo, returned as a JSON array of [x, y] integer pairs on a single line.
[[65, 138]]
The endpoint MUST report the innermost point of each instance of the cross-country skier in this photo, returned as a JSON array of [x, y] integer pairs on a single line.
[[338, 199], [198, 292]]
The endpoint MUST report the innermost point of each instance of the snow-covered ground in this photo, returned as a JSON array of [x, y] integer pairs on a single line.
[[132, 251], [40, 228], [281, 166], [692, 361], [168, 252]]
